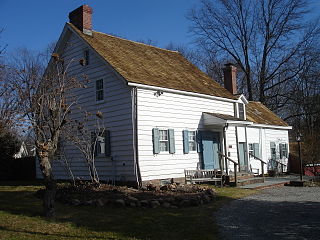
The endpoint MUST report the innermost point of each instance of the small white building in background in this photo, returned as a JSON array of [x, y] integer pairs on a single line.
[[23, 151], [162, 113]]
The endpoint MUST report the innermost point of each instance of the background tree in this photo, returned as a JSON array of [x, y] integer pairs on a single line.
[[266, 39]]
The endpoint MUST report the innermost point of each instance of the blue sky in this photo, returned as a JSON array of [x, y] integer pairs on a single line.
[[36, 23]]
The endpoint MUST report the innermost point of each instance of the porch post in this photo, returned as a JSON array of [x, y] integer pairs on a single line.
[[225, 147]]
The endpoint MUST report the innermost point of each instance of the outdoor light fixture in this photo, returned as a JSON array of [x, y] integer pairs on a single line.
[[298, 138], [158, 93]]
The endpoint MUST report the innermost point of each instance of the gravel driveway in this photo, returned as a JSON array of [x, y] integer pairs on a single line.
[[275, 213]]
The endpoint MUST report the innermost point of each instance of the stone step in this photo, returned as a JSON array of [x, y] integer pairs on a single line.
[[247, 181], [241, 176], [243, 182]]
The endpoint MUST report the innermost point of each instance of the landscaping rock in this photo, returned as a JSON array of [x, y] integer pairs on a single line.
[[144, 203], [132, 199], [100, 202], [75, 202], [120, 203], [89, 203], [166, 205], [154, 204], [184, 203], [210, 192]]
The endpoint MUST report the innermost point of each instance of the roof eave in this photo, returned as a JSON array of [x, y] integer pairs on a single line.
[[271, 126], [150, 87]]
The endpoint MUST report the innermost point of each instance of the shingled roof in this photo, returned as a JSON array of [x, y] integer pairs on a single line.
[[149, 65], [259, 113]]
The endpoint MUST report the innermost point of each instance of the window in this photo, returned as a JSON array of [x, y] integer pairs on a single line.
[[86, 57], [250, 149], [192, 141], [164, 140], [241, 110], [101, 143], [283, 148], [99, 90]]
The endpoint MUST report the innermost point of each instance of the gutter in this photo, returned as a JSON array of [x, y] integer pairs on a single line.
[[180, 92], [271, 126]]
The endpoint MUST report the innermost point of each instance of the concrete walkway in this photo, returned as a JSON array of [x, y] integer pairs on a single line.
[[273, 213], [272, 181]]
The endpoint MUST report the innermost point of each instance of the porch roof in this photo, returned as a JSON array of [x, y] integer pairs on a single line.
[[222, 119]]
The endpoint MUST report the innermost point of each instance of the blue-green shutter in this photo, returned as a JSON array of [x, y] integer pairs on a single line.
[[281, 150], [273, 146], [155, 140], [185, 134], [286, 150], [199, 142], [107, 143], [172, 148], [256, 151]]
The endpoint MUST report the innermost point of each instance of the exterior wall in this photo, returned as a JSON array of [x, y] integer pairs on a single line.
[[178, 112], [117, 112], [264, 136]]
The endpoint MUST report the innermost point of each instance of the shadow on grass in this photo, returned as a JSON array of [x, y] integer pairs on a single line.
[[138, 223], [34, 233]]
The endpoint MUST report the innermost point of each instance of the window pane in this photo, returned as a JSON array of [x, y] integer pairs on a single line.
[[163, 135], [86, 57], [99, 84], [163, 146], [99, 95], [192, 136], [241, 111], [192, 146]]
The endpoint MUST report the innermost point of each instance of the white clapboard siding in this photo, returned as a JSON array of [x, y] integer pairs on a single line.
[[232, 146], [264, 136], [179, 112], [117, 112]]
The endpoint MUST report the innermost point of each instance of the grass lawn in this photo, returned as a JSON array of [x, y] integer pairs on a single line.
[[20, 218]]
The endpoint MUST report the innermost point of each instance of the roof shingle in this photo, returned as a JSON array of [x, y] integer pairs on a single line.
[[259, 113], [148, 65]]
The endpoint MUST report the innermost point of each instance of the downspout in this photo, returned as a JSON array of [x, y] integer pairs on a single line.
[[237, 145], [225, 146], [135, 137], [247, 151]]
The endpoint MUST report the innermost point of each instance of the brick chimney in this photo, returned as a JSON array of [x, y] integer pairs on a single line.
[[230, 78], [81, 18]]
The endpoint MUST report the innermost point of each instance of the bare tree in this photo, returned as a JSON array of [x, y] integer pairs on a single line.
[[45, 99], [265, 38], [88, 142]]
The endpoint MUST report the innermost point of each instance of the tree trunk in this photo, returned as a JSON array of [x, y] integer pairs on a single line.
[[49, 182]]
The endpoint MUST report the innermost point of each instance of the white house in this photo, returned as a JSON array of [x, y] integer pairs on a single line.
[[162, 113]]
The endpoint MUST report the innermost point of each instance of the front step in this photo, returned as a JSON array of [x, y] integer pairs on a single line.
[[243, 182], [241, 176]]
